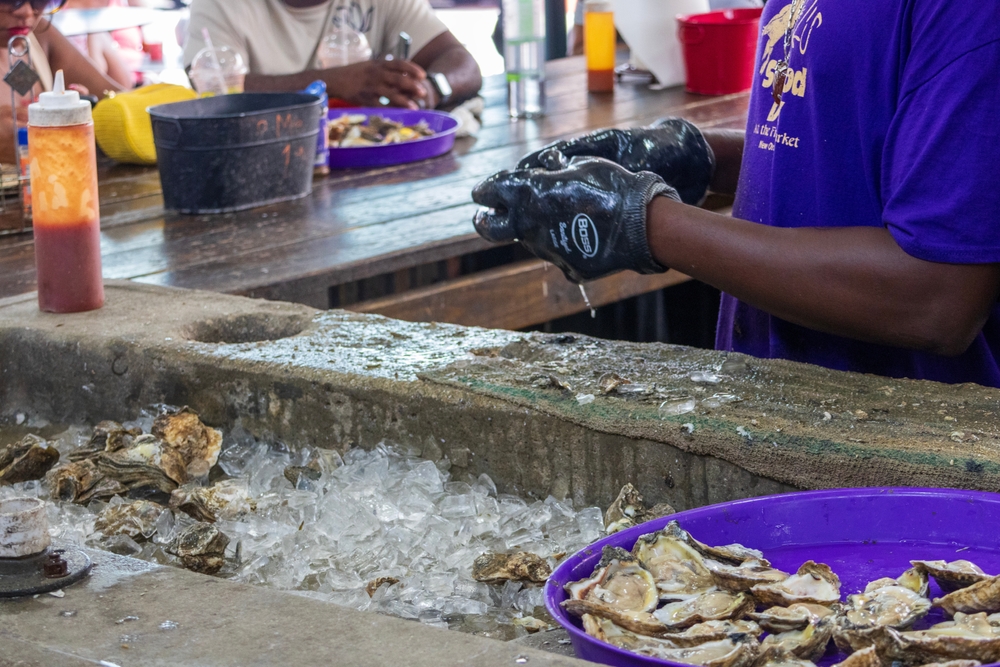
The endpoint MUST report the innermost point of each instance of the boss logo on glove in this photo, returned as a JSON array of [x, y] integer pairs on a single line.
[[585, 235]]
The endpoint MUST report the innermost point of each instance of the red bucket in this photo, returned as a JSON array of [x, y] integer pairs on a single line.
[[719, 50]]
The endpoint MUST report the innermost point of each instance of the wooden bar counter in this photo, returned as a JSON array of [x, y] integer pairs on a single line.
[[396, 240]]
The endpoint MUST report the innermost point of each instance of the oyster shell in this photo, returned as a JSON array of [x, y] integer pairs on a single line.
[[981, 596], [81, 482], [954, 663], [732, 554], [793, 617], [135, 519], [866, 657], [885, 606], [779, 659], [629, 510], [741, 578], [737, 651], [679, 570], [201, 548], [110, 436], [229, 500], [494, 568], [198, 445], [814, 582], [967, 637], [626, 586], [714, 606], [607, 631], [951, 576], [809, 643], [639, 622], [149, 463], [28, 459], [916, 580]]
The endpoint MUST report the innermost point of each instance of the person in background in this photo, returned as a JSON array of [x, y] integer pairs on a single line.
[[278, 40], [864, 232], [117, 54], [50, 51]]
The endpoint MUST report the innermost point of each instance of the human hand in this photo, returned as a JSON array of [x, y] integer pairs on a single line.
[[364, 83], [672, 148], [586, 215]]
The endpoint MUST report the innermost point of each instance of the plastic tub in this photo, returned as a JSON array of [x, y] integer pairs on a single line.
[[863, 534], [719, 50], [234, 152], [443, 124]]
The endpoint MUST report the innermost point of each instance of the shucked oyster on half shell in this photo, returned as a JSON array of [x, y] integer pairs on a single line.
[[621, 584], [679, 570], [886, 606], [714, 606], [951, 576], [198, 445], [809, 643], [733, 554], [735, 651], [866, 657], [793, 617], [741, 578], [980, 596], [814, 582], [967, 637]]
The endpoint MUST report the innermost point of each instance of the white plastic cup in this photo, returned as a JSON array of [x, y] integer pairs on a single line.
[[24, 527]]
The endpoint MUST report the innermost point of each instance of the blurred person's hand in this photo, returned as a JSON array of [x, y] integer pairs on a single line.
[[401, 82]]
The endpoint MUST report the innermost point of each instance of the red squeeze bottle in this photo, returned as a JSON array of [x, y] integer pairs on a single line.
[[65, 216]]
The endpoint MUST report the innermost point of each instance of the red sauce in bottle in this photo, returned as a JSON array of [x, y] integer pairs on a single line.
[[65, 212]]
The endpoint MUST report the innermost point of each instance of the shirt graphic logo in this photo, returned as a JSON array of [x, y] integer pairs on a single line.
[[807, 18], [585, 235]]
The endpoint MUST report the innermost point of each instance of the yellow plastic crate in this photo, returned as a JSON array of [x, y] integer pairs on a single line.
[[121, 121]]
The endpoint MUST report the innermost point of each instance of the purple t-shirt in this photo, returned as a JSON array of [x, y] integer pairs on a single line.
[[891, 118]]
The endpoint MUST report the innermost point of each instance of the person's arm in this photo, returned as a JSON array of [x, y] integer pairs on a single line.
[[727, 145], [446, 54], [850, 281], [78, 68]]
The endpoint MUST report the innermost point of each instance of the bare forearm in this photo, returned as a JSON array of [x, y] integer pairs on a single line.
[[850, 281], [728, 148], [462, 71]]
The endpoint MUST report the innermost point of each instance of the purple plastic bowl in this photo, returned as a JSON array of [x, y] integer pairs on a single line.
[[863, 534], [444, 125]]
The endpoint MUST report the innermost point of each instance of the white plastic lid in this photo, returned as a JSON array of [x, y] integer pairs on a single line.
[[598, 6], [59, 107]]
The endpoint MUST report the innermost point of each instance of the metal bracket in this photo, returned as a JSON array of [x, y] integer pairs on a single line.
[[48, 571]]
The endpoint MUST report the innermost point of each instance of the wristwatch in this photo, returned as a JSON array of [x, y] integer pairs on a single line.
[[441, 86]]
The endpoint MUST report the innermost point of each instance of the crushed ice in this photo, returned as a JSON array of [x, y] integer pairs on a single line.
[[370, 514]]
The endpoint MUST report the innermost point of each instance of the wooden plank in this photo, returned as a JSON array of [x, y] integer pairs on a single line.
[[513, 297]]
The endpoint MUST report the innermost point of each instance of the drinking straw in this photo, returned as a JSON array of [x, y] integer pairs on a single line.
[[213, 60]]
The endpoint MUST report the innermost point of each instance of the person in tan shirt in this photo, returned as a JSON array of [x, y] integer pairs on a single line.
[[279, 39]]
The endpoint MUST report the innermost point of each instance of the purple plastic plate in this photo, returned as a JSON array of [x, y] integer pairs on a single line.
[[443, 124], [863, 534]]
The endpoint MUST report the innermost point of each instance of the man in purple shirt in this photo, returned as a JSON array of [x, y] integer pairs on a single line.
[[866, 229]]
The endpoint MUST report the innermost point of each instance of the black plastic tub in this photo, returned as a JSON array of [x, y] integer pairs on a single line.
[[234, 152]]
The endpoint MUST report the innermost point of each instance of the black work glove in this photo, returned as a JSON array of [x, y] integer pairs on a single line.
[[671, 148], [586, 215]]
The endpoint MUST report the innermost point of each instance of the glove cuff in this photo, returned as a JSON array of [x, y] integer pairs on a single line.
[[634, 219]]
